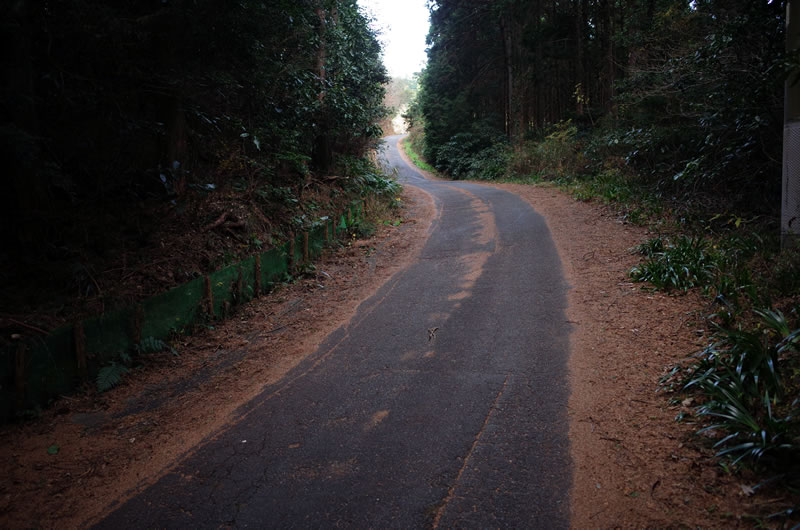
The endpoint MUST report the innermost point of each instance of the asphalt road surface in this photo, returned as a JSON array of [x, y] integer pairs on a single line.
[[442, 404]]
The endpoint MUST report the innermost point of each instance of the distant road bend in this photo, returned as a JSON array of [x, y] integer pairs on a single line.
[[442, 404]]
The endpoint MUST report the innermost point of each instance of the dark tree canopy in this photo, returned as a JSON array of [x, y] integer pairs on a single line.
[[112, 111], [686, 93], [101, 98]]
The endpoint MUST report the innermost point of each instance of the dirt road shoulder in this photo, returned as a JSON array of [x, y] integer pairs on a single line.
[[634, 466], [64, 468]]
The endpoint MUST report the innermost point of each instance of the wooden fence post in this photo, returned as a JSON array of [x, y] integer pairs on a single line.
[[257, 272], [79, 339], [209, 299], [238, 286], [20, 379], [136, 324]]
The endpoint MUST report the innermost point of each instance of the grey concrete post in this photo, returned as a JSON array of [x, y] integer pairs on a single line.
[[790, 202]]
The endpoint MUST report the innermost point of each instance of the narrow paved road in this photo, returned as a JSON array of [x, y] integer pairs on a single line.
[[442, 404]]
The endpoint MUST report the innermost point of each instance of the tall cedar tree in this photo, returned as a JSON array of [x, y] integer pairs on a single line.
[[109, 105], [689, 94]]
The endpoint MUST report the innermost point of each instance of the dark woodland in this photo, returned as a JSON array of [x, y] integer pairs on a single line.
[[129, 128]]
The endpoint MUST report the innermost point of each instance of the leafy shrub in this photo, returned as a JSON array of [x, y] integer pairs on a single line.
[[687, 263], [610, 185], [477, 154], [785, 273], [363, 229], [740, 270], [153, 345], [651, 247], [741, 375], [111, 375], [557, 155], [489, 164], [364, 178]]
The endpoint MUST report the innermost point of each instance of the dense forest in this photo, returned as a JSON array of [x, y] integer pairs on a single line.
[[180, 133], [688, 95]]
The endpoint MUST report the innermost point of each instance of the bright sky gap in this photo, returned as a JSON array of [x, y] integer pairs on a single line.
[[402, 28]]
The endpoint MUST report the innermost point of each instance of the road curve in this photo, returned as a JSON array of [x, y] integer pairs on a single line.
[[441, 404]]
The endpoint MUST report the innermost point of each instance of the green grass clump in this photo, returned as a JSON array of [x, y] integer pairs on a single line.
[[415, 157], [556, 155], [689, 262], [746, 378]]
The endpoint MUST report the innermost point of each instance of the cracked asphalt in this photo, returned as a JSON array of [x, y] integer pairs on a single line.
[[443, 403]]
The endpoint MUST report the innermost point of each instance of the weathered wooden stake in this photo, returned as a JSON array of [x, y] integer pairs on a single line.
[[306, 257], [238, 294], [327, 232], [20, 362], [79, 338], [257, 272], [137, 322], [209, 298], [291, 253]]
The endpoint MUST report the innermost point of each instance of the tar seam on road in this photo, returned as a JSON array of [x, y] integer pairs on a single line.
[[451, 493], [238, 416], [322, 358]]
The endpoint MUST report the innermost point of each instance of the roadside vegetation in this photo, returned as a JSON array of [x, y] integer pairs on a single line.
[[151, 143], [148, 143], [411, 147], [676, 124]]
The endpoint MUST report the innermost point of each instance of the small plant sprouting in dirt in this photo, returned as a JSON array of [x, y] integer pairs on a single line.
[[745, 383], [689, 262], [363, 229], [651, 247], [305, 270], [111, 375], [153, 345]]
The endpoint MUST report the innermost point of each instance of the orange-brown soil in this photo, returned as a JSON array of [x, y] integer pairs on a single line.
[[634, 466]]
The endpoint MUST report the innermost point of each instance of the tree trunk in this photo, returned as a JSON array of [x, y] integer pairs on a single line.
[[169, 26], [176, 143], [539, 67], [609, 68], [508, 43], [579, 87], [322, 157]]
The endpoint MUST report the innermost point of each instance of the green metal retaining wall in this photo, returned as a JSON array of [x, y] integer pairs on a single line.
[[34, 372]]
